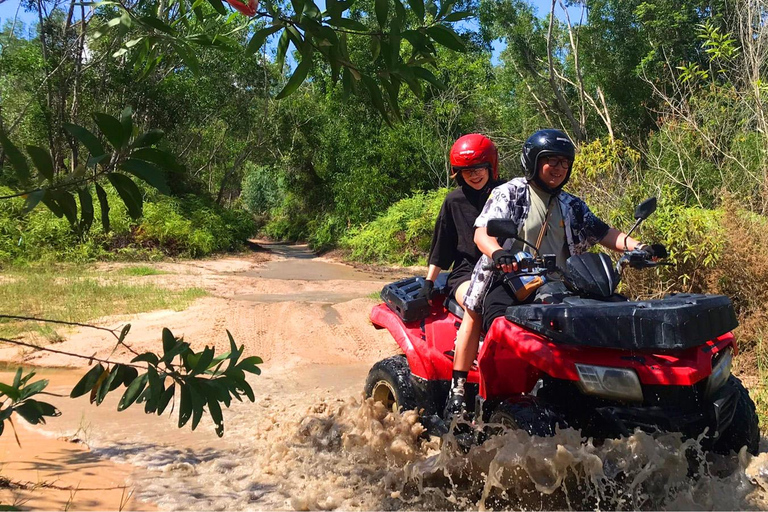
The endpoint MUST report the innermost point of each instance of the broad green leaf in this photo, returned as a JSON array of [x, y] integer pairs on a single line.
[[382, 9], [169, 340], [129, 375], [96, 389], [33, 389], [185, 405], [128, 192], [146, 357], [181, 348], [204, 361], [249, 365], [165, 160], [156, 23], [298, 75], [126, 120], [123, 333], [199, 399], [446, 37], [165, 398], [34, 412], [282, 49], [33, 199], [218, 419], [234, 352], [348, 24], [50, 201], [188, 57], [445, 7], [18, 162], [67, 203], [218, 6], [258, 39], [104, 205], [88, 139], [417, 6], [17, 377], [376, 97], [427, 75], [119, 371], [96, 160], [10, 391], [155, 390], [86, 209], [132, 393], [149, 138], [310, 10], [42, 160], [87, 382], [105, 386], [148, 173], [375, 47], [112, 129], [458, 16], [400, 11]]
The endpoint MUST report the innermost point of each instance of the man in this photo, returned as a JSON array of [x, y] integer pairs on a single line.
[[558, 223]]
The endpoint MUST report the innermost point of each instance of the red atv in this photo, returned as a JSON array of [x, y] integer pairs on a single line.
[[576, 354]]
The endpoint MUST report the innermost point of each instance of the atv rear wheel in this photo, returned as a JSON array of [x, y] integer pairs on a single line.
[[744, 430], [529, 415], [389, 382]]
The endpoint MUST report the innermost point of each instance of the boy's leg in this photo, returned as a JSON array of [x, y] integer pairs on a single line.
[[467, 341]]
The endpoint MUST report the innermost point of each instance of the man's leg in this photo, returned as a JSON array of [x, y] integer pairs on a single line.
[[467, 341]]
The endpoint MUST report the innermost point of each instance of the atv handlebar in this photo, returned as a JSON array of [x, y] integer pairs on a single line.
[[638, 259]]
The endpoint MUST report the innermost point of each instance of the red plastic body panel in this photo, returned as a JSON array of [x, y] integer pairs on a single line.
[[513, 358]]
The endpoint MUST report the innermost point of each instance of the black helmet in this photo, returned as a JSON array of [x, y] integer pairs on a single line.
[[546, 143]]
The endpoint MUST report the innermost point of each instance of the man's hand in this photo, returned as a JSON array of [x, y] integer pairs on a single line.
[[655, 251], [504, 260], [426, 290]]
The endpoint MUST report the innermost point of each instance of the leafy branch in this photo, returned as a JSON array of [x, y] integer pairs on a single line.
[[127, 150], [198, 381]]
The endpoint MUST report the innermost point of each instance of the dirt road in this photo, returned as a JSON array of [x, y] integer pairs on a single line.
[[306, 317], [309, 441]]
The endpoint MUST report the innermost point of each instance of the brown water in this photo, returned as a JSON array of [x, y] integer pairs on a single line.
[[310, 442]]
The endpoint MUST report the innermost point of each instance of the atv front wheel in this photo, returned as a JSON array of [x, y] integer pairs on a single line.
[[389, 382], [744, 429], [529, 415]]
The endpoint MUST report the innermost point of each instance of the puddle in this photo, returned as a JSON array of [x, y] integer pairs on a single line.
[[311, 270], [313, 297]]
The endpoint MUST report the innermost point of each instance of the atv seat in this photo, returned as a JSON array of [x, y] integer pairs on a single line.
[[452, 305]]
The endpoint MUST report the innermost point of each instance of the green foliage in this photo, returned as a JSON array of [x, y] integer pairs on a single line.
[[198, 380], [191, 226], [16, 398], [402, 234], [263, 188]]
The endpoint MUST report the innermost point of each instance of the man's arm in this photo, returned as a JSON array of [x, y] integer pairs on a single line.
[[614, 240], [489, 245]]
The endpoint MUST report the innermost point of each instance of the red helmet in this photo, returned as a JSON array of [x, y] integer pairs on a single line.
[[473, 150]]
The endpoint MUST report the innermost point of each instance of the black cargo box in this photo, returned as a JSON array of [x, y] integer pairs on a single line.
[[401, 297], [675, 322]]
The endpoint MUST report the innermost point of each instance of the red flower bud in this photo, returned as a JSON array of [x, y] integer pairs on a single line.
[[248, 9]]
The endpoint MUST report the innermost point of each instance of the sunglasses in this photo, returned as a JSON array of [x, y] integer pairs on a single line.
[[471, 171], [554, 161]]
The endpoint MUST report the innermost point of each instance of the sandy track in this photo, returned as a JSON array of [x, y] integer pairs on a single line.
[[306, 317], [287, 322]]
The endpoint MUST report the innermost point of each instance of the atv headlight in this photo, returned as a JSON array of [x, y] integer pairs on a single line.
[[618, 383], [721, 370]]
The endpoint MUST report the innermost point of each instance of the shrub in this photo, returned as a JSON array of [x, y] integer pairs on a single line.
[[188, 226], [402, 234]]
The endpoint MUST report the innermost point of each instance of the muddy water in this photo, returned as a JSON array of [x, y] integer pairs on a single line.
[[311, 442]]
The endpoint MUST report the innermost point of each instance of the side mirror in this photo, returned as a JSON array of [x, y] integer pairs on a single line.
[[502, 228], [645, 209]]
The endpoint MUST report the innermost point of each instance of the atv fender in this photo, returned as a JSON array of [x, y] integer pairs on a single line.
[[383, 317]]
